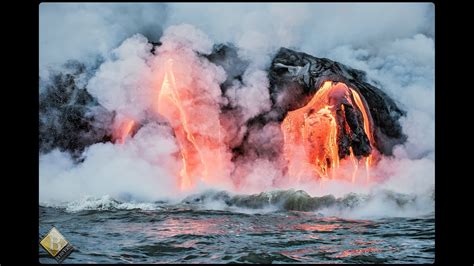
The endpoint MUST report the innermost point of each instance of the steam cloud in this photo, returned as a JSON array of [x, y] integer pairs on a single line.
[[392, 43]]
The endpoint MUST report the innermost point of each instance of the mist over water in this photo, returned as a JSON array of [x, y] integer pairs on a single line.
[[396, 51]]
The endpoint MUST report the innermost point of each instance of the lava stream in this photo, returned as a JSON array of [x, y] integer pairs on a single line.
[[123, 131], [311, 134], [197, 131]]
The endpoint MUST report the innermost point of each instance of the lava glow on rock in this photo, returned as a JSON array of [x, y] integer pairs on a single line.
[[311, 134]]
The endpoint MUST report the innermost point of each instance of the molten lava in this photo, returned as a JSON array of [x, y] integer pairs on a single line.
[[124, 129], [196, 127], [311, 134]]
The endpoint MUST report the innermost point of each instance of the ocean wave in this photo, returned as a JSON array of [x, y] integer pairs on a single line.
[[299, 200], [380, 202], [103, 203]]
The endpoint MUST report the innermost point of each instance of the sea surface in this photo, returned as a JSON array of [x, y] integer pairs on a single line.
[[189, 232]]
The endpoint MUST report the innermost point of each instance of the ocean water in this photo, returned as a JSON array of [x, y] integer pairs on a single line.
[[287, 228]]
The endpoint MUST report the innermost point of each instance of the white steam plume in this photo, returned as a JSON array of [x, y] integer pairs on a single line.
[[83, 31], [393, 43]]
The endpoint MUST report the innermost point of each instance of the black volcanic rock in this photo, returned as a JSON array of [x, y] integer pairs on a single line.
[[226, 56], [295, 77], [71, 119], [154, 46]]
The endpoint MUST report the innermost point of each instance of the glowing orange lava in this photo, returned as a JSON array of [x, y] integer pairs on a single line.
[[367, 129], [123, 130], [311, 134], [197, 130]]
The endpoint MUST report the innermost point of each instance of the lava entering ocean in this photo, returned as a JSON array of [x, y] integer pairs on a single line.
[[336, 130], [318, 136], [201, 147]]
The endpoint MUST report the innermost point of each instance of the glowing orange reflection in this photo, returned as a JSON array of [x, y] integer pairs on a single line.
[[184, 226], [318, 227]]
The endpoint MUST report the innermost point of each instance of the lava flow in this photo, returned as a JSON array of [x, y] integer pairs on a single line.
[[312, 134], [197, 130], [124, 129]]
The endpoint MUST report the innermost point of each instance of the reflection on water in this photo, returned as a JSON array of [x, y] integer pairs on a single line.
[[188, 236], [353, 252], [318, 227], [188, 226]]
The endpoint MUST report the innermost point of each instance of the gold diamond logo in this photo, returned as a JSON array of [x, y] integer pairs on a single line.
[[54, 243]]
